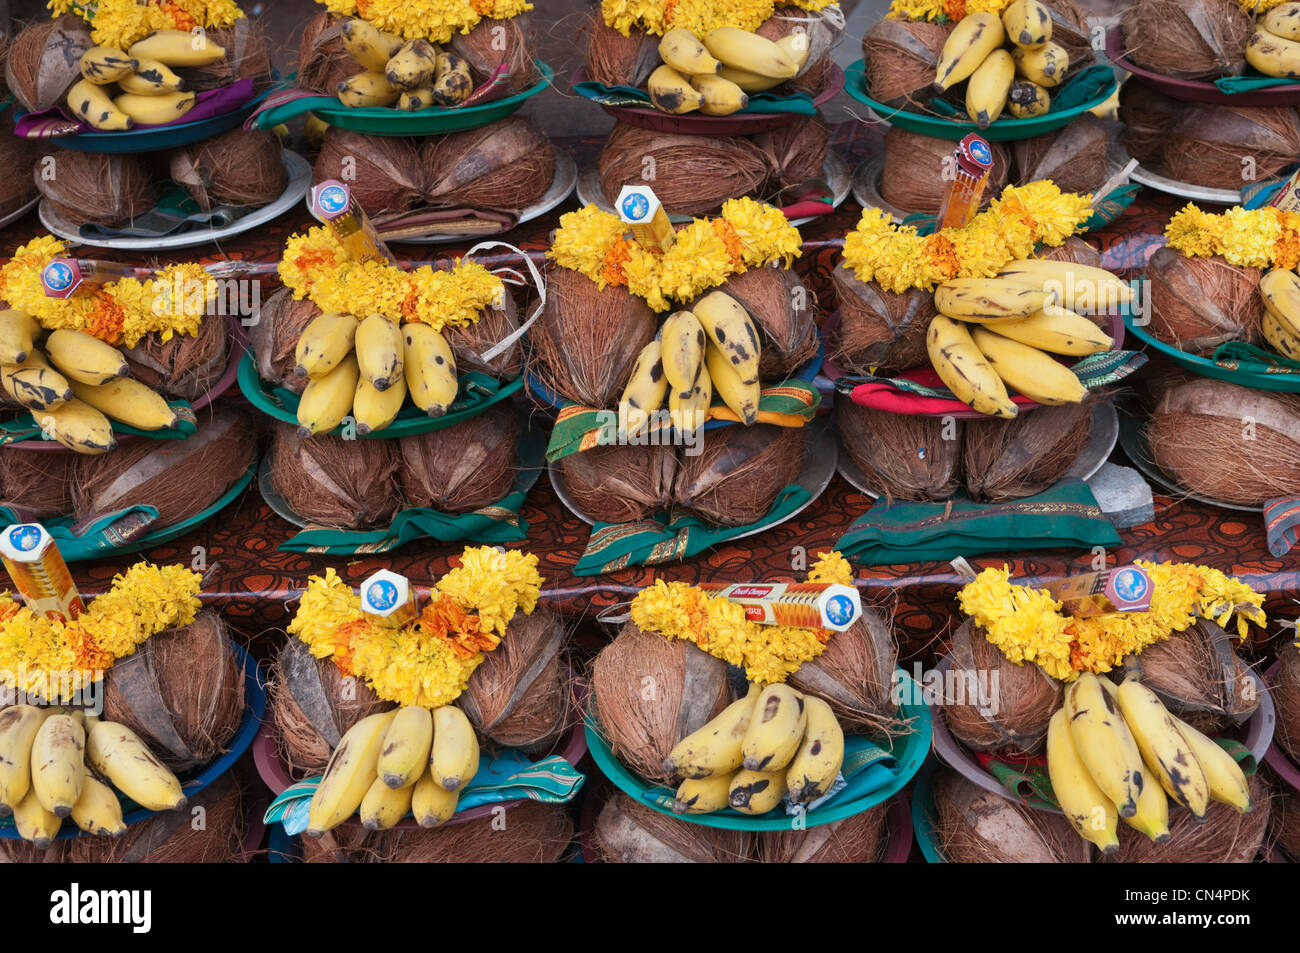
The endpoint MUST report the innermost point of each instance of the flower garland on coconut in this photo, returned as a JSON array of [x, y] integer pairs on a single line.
[[119, 23], [433, 20]]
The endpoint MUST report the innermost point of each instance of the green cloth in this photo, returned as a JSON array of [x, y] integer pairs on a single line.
[[26, 427], [1248, 84], [1081, 88], [102, 536], [1240, 356], [800, 103], [1066, 516], [662, 538]]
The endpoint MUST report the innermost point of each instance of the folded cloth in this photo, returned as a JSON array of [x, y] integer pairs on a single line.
[[175, 214], [1282, 524], [26, 426], [1248, 84], [1082, 88], [1258, 194], [55, 122], [800, 103], [423, 222], [1240, 356], [94, 537], [1066, 516]]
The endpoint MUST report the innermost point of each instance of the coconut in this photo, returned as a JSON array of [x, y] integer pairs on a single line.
[[274, 338], [329, 481], [19, 155], [1200, 678], [617, 60], [1071, 29], [620, 484], [855, 675], [739, 472], [182, 691], [1146, 115], [97, 187], [902, 456], [1215, 146], [520, 697], [693, 175], [44, 61], [629, 832], [240, 168], [1073, 249], [1228, 442], [181, 478], [901, 57], [463, 467], [991, 703], [587, 339], [383, 172], [322, 61], [1187, 39], [860, 839], [492, 42], [493, 326], [507, 164], [1223, 837], [822, 37], [248, 56], [37, 481], [1075, 157], [1285, 691], [782, 307], [1011, 459], [187, 365], [1199, 303], [913, 177], [1284, 819], [650, 693], [880, 329], [314, 705], [796, 150], [974, 826]]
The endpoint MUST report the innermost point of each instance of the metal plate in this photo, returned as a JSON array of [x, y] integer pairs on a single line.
[[1199, 193], [866, 189], [18, 213]]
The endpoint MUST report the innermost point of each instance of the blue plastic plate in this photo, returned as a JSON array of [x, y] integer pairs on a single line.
[[923, 813]]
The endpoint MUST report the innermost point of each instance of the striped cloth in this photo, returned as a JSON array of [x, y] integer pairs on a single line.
[[1282, 524]]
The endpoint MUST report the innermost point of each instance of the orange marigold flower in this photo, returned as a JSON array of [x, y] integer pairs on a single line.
[[956, 9], [612, 271], [942, 254], [730, 240], [107, 320]]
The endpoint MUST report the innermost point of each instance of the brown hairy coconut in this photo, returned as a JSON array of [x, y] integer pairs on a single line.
[[815, 73], [314, 705], [1070, 29], [462, 467], [587, 339], [1199, 303], [18, 156], [974, 826], [322, 61], [505, 164], [783, 309], [739, 473], [493, 42], [1012, 459], [1198, 437], [855, 676], [860, 839], [1200, 678], [617, 60], [45, 60], [694, 175], [1216, 146], [182, 691], [1016, 706], [186, 366], [620, 484], [274, 338], [1223, 837], [520, 697], [241, 168], [1146, 115], [248, 56], [902, 457], [912, 178], [1283, 820], [97, 187], [1285, 691], [329, 481], [383, 172], [494, 325], [179, 477], [880, 329], [1075, 157], [650, 693], [629, 832], [796, 150], [38, 482], [1187, 39], [901, 57]]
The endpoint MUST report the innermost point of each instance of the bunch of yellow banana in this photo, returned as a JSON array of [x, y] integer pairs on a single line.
[[407, 761], [410, 74], [1280, 290], [55, 762], [1274, 48], [771, 744], [1117, 753], [147, 91], [1008, 63], [716, 74]]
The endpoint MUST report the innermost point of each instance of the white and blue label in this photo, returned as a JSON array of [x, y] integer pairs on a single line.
[[58, 276], [25, 537], [332, 199], [1130, 585], [381, 595], [840, 610], [635, 207], [979, 149]]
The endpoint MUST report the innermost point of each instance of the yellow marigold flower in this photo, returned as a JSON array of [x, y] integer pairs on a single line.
[[831, 567], [119, 23], [766, 235], [583, 240], [1195, 233], [1249, 236], [495, 584]]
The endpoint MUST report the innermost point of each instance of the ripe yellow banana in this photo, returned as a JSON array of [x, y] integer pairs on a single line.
[[964, 368], [366, 89], [151, 78], [1045, 65], [129, 401], [1152, 817], [1058, 331], [797, 47], [1164, 750], [671, 92], [454, 757], [35, 384], [821, 754], [1087, 809], [969, 45], [370, 46], [118, 754], [1027, 99], [83, 358], [376, 409], [405, 754], [703, 795], [775, 729], [324, 343], [1222, 773], [749, 82], [714, 748], [431, 803], [91, 105], [349, 774], [1104, 743], [682, 340], [1279, 335], [412, 66], [59, 763], [731, 330], [18, 727], [379, 345], [988, 88], [682, 50], [98, 810], [1284, 21], [990, 300], [430, 368], [750, 52], [327, 400], [383, 807], [452, 82], [18, 333], [741, 396], [689, 409], [1280, 289], [413, 100], [77, 426], [1028, 23], [102, 65], [178, 48], [34, 823], [1031, 372], [1273, 55], [645, 390], [1108, 108], [756, 792], [1082, 289], [156, 110], [719, 96]]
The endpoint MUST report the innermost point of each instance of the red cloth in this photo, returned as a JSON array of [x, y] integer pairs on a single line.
[[882, 396]]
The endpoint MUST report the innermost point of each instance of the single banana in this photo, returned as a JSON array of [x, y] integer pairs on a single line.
[[375, 409], [405, 754], [821, 755], [178, 48], [18, 333], [383, 807], [327, 400], [35, 384], [1280, 289], [1082, 289], [750, 52], [682, 50], [1058, 331], [98, 810], [1163, 747], [750, 82], [756, 792], [59, 763], [1226, 780], [1045, 65], [1273, 55], [454, 756], [430, 368], [413, 100], [1028, 23], [1026, 99], [129, 401], [349, 774], [370, 46], [989, 300], [118, 754], [431, 803], [84, 358], [1104, 743], [1029, 371], [689, 409], [1284, 21], [1108, 108], [964, 368], [1088, 810], [703, 795], [719, 96], [797, 47], [1152, 817], [102, 65], [326, 341], [645, 390], [18, 727], [151, 78], [988, 88], [453, 82], [967, 46], [671, 92], [412, 66], [731, 330], [156, 110], [715, 747], [741, 396], [379, 346], [35, 824], [682, 339], [77, 426], [92, 105], [775, 729], [366, 89], [1277, 334]]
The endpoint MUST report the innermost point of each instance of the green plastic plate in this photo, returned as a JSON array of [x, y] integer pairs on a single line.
[[923, 812], [1289, 383]]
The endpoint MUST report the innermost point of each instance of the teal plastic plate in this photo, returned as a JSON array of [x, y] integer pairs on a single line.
[[937, 127], [1289, 383], [910, 750], [923, 812]]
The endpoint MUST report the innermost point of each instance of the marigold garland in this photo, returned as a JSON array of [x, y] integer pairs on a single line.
[[1027, 625], [1259, 6], [428, 662], [39, 654], [747, 234], [433, 20], [944, 9], [898, 258], [657, 17], [119, 23], [1261, 238]]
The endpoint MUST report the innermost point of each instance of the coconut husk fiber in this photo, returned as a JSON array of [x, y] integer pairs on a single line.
[[98, 187], [796, 150], [18, 156], [1016, 706], [274, 338], [860, 839], [38, 482], [329, 481], [854, 675], [815, 73], [45, 60], [314, 705], [507, 164], [182, 691], [1200, 678], [1223, 837], [1070, 29], [187, 365], [620, 484], [530, 833], [902, 456], [974, 826], [693, 175], [1216, 146], [1187, 39], [1284, 819], [629, 832], [181, 478], [901, 57], [912, 178], [1146, 115], [739, 473], [1074, 157], [383, 172], [1285, 691], [586, 339], [617, 60], [493, 326], [1199, 303], [462, 467], [878, 328], [1011, 459], [650, 693], [520, 697], [493, 42], [1198, 437], [248, 56], [240, 168], [322, 61], [782, 307]]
